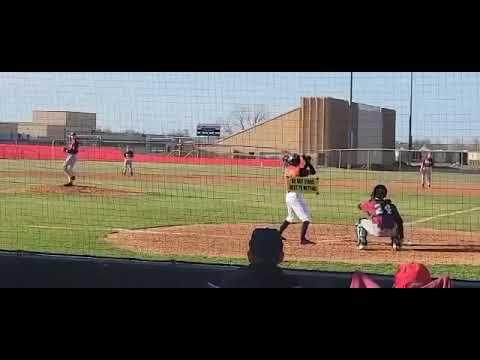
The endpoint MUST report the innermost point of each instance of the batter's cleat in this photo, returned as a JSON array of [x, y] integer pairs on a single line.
[[68, 184], [395, 247], [73, 178], [306, 242], [360, 247]]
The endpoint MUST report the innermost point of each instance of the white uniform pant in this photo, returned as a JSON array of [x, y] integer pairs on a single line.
[[128, 165], [70, 164], [296, 206], [375, 230], [427, 176]]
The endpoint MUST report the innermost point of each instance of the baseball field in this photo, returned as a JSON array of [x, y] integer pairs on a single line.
[[205, 213]]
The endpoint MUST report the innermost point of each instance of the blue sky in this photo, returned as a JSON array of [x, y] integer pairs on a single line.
[[445, 105]]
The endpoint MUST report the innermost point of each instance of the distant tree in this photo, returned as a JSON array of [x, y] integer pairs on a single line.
[[246, 116]]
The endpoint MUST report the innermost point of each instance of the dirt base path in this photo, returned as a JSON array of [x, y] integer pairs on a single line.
[[333, 243]]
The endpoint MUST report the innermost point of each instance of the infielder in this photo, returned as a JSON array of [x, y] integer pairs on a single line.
[[426, 170], [128, 162], [297, 166], [72, 151], [384, 220]]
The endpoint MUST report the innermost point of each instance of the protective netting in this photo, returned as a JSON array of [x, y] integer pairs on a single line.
[[201, 197]]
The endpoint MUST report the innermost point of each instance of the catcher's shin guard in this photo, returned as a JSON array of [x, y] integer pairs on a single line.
[[361, 235], [396, 242]]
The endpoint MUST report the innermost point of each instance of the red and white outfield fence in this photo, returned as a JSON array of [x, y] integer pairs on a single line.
[[91, 153]]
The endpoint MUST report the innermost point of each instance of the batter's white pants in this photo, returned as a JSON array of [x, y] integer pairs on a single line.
[[296, 206]]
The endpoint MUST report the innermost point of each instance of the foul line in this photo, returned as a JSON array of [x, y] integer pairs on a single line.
[[424, 220]]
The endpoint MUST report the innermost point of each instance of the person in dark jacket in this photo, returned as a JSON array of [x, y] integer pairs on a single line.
[[265, 253]]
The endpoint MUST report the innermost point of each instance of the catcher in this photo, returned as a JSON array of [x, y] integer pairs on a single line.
[[71, 160], [297, 166], [128, 162], [384, 220]]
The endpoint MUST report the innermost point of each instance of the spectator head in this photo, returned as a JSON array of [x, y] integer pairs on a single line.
[[265, 248], [379, 192], [412, 275]]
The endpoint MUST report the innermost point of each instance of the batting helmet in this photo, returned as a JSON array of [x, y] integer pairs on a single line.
[[379, 192], [293, 160]]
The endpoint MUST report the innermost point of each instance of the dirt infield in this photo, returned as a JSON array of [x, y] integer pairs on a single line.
[[260, 181], [333, 243], [60, 189], [193, 179]]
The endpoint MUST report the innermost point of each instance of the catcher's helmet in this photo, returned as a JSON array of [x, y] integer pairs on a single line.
[[293, 160], [379, 192]]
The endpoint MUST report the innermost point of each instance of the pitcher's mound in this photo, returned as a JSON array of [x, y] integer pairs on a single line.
[[333, 243]]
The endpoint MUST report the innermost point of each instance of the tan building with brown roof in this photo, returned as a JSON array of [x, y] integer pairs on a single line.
[[54, 125], [318, 125]]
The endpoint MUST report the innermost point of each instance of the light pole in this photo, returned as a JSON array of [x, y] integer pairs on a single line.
[[350, 134], [351, 87], [410, 118]]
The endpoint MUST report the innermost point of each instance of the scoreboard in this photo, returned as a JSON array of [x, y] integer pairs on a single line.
[[208, 130]]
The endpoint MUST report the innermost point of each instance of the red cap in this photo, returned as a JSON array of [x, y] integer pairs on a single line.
[[412, 276]]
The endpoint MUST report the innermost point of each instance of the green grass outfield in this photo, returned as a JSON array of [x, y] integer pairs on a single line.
[[78, 223]]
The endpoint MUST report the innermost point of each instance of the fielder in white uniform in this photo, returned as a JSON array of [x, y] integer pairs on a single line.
[[426, 170], [296, 166]]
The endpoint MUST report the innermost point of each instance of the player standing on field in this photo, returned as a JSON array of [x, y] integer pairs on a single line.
[[297, 166], [426, 170], [128, 162], [72, 151]]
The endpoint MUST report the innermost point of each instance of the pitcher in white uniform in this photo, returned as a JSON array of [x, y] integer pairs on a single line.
[[297, 166], [71, 160]]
